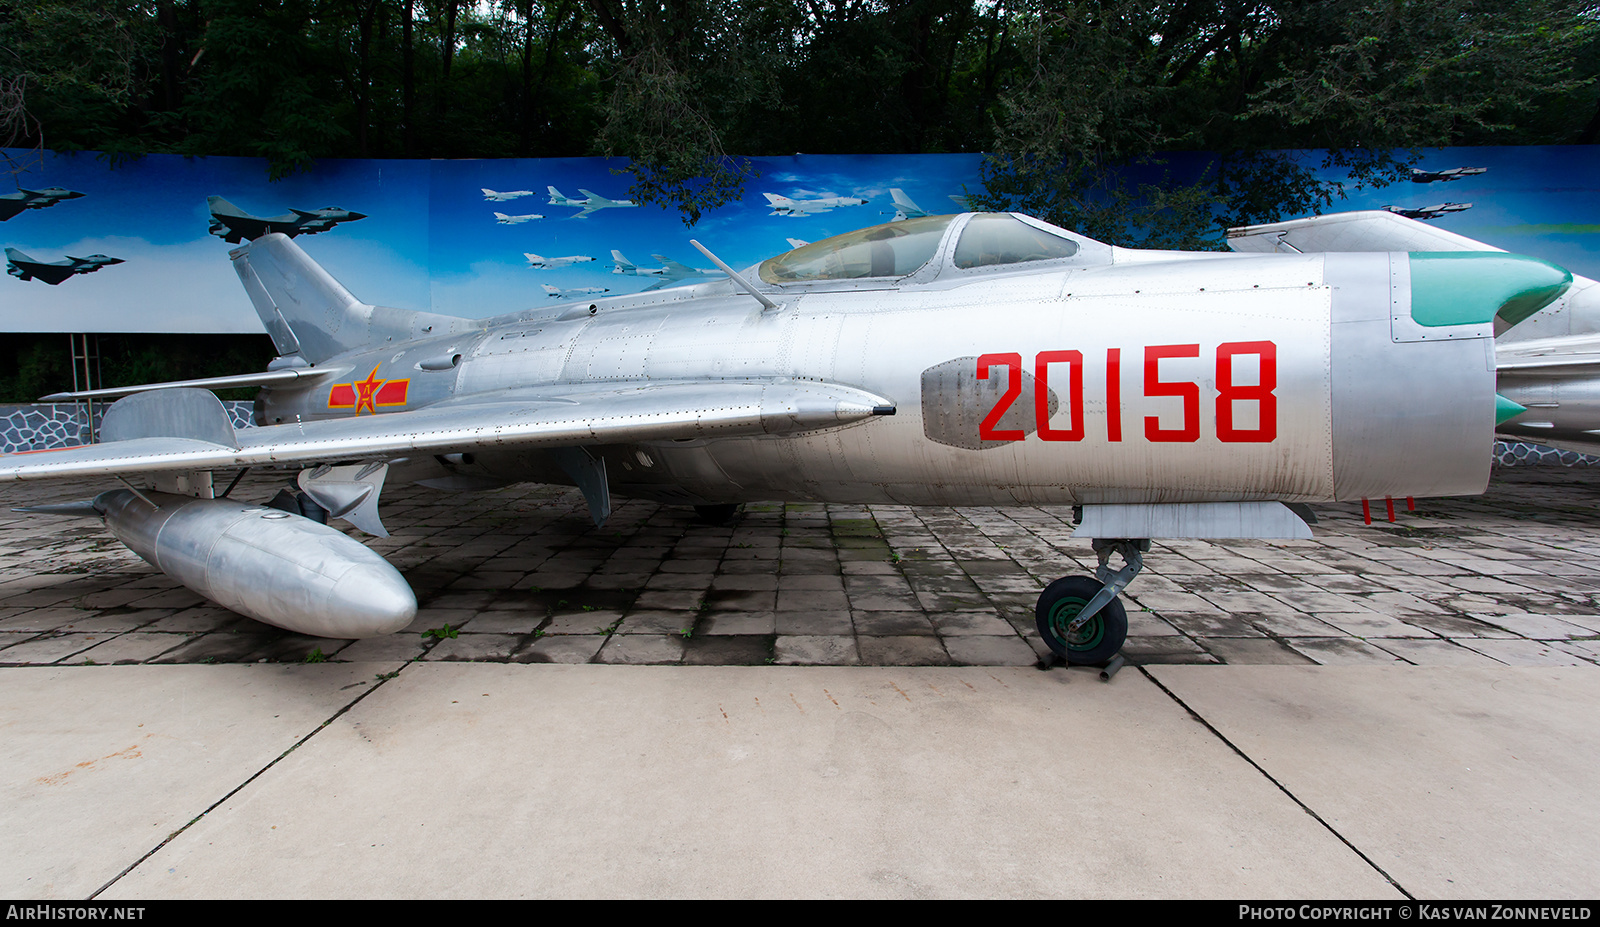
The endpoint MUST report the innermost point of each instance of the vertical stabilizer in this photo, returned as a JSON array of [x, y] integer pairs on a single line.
[[309, 313]]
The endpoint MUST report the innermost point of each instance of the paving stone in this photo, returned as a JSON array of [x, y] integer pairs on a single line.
[[990, 650], [1371, 624], [646, 622], [1432, 651], [568, 648], [728, 650], [1251, 651], [132, 647], [902, 651], [49, 648], [1339, 651], [742, 623], [398, 648], [478, 647], [813, 622], [1515, 652], [642, 648], [815, 650], [888, 623], [968, 623], [1539, 627]]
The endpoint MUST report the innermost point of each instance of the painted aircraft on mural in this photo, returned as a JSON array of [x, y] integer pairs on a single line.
[[504, 219], [589, 205], [232, 224], [536, 262], [784, 206], [493, 196], [670, 273], [904, 206], [969, 360], [12, 204], [573, 292], [1547, 367], [1428, 212], [23, 267], [1418, 175]]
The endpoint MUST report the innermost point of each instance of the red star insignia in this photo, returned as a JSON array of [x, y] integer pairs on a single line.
[[367, 392]]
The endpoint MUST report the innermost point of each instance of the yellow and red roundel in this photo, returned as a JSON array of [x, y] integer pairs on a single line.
[[369, 393]]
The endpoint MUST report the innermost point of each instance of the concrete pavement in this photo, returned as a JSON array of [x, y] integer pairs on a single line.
[[159, 747]]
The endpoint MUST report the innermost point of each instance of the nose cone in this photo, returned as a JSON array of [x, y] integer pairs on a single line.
[[1462, 287], [370, 600]]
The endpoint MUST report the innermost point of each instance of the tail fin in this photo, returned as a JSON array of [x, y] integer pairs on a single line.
[[221, 207], [309, 313], [623, 264]]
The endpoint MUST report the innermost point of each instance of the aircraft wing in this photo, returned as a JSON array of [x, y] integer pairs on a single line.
[[10, 208], [1368, 230], [675, 269], [556, 416]]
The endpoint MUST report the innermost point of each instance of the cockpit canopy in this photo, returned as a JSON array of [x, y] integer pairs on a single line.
[[899, 249]]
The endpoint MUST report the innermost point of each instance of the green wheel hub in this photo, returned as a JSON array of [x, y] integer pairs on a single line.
[[1086, 637]]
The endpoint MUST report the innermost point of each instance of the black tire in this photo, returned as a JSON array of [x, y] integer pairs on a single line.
[[718, 514], [1096, 642]]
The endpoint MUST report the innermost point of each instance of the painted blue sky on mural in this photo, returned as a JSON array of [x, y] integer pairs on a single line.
[[431, 239]]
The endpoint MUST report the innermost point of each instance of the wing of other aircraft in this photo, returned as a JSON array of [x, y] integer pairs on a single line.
[[1368, 230], [560, 416]]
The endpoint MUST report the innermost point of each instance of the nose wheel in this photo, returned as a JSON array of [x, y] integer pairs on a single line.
[[1079, 617], [1091, 642]]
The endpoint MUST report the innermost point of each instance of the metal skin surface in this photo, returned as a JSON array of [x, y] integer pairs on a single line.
[[1108, 377], [881, 337], [282, 569]]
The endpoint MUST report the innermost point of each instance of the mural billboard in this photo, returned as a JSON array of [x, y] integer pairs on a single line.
[[144, 247]]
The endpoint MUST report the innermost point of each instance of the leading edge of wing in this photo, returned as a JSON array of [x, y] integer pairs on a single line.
[[556, 416]]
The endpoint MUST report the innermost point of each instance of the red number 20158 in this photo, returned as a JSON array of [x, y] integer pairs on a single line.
[[1262, 393]]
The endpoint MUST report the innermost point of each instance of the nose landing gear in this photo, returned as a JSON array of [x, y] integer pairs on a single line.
[[1080, 618]]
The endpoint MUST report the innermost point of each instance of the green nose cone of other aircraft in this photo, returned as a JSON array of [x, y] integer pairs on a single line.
[[1468, 287], [1475, 287]]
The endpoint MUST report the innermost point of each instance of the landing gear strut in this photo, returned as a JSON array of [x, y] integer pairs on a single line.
[[1080, 618]]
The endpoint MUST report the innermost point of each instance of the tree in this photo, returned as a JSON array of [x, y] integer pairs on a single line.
[[1110, 85]]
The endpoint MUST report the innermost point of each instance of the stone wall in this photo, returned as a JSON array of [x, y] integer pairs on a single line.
[[39, 426]]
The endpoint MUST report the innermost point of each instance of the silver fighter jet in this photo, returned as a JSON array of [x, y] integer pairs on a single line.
[[590, 204], [785, 206], [976, 359]]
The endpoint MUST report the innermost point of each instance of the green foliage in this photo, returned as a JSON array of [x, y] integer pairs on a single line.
[[1110, 85], [34, 365], [1058, 90]]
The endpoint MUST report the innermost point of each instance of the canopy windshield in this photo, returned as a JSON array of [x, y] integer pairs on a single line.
[[892, 250], [1000, 238]]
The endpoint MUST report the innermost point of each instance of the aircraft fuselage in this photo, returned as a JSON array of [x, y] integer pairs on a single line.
[[1267, 377]]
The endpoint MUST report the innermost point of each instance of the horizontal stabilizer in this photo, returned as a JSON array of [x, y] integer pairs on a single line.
[[237, 381]]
